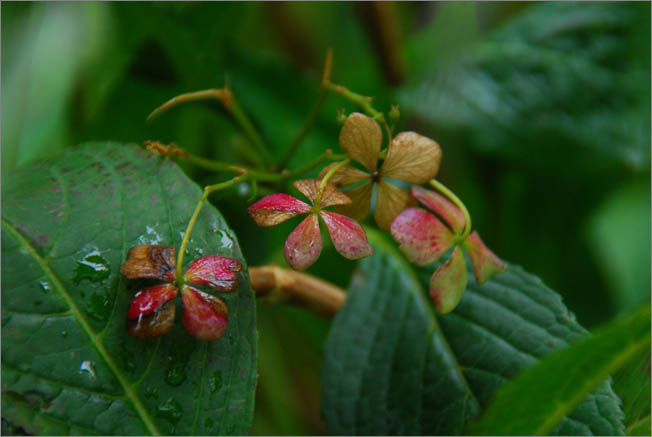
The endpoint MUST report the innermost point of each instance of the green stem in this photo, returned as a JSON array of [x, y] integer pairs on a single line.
[[227, 98], [364, 102], [247, 126], [232, 168], [456, 200], [312, 116], [324, 180], [193, 219], [328, 155], [210, 164]]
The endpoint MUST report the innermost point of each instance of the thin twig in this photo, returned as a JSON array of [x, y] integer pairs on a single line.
[[278, 285], [314, 112]]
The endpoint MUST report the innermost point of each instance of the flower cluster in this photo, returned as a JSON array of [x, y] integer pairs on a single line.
[[303, 246], [410, 157], [152, 310], [424, 239]]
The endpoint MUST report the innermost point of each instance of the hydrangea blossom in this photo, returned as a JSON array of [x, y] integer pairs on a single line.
[[303, 246], [424, 239], [152, 310], [410, 157]]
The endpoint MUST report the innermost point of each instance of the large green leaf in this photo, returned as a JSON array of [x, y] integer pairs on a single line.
[[393, 367], [561, 80], [560, 382], [632, 384], [68, 364]]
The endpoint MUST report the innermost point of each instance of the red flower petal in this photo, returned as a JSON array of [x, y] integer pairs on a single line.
[[424, 239], [485, 263], [146, 301], [442, 206], [218, 272], [303, 245], [348, 236], [276, 208], [449, 282], [204, 315]]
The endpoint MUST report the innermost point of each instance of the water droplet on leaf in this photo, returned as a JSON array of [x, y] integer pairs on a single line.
[[150, 236], [89, 368], [92, 267], [170, 410], [64, 333], [225, 240], [98, 306], [151, 393], [215, 381], [45, 286], [176, 373]]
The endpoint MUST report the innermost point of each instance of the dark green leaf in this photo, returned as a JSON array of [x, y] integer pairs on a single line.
[[632, 384], [619, 233], [68, 364], [393, 367], [561, 81], [560, 382]]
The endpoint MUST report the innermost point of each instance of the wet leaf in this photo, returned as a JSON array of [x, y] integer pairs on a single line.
[[392, 366], [69, 366]]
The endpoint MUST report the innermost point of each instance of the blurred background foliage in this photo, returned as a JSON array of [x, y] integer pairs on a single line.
[[542, 111]]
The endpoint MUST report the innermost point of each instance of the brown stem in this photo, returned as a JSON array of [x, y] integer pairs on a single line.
[[278, 285], [379, 19]]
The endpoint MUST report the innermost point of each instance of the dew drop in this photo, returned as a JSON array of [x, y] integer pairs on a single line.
[[215, 381], [176, 373], [150, 236], [92, 267], [151, 393], [88, 367], [170, 410], [225, 239], [45, 286], [64, 334], [98, 306]]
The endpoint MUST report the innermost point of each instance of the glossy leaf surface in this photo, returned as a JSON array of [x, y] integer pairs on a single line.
[[392, 366], [68, 364]]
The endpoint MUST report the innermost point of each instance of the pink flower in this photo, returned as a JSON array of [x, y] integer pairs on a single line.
[[424, 238], [152, 311], [303, 245]]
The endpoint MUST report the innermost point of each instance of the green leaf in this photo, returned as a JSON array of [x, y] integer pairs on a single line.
[[619, 233], [560, 382], [632, 384], [561, 80], [68, 364], [392, 366]]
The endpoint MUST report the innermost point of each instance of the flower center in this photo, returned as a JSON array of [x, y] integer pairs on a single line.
[[375, 176]]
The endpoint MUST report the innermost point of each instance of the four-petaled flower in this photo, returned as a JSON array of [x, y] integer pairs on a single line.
[[410, 157], [152, 313], [424, 239], [303, 245]]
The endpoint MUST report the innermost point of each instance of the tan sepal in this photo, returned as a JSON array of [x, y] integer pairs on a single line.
[[360, 204], [412, 158], [150, 261], [391, 202], [344, 176], [361, 138], [330, 196]]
